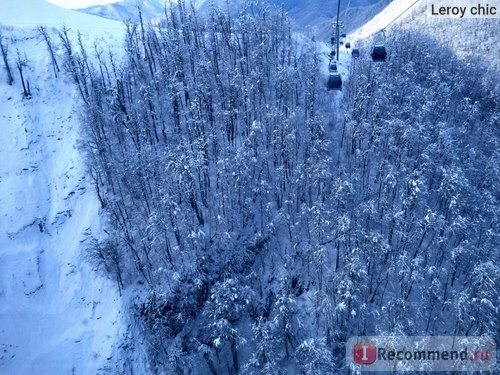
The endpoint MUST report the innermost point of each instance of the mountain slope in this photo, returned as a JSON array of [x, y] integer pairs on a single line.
[[127, 10], [30, 13], [257, 212], [56, 316], [315, 16], [252, 221]]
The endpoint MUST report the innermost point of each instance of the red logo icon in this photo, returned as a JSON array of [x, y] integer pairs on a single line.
[[365, 353]]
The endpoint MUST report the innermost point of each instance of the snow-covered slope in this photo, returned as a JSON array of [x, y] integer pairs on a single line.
[[56, 315], [30, 13], [315, 15], [127, 10], [387, 15]]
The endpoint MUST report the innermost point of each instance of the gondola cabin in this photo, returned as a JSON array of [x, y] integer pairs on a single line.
[[348, 45], [355, 53], [332, 54], [379, 54], [332, 67], [334, 82]]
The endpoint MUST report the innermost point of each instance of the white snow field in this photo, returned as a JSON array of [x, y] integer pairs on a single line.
[[57, 316], [30, 13]]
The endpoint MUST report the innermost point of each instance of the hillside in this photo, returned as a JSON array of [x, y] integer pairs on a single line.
[[127, 10], [313, 17], [56, 316], [30, 13], [190, 199], [261, 209]]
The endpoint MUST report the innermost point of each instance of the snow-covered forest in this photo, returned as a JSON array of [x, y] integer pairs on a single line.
[[250, 221]]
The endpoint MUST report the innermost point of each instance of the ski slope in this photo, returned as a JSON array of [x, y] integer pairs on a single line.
[[56, 315]]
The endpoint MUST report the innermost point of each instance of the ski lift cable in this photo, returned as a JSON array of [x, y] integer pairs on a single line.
[[406, 10], [347, 8]]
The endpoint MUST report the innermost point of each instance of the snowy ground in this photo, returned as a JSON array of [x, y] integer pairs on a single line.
[[56, 315], [30, 13]]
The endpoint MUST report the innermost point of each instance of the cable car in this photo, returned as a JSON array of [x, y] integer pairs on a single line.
[[332, 54], [332, 67], [332, 40], [379, 54], [334, 82], [348, 45], [355, 53], [343, 35]]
